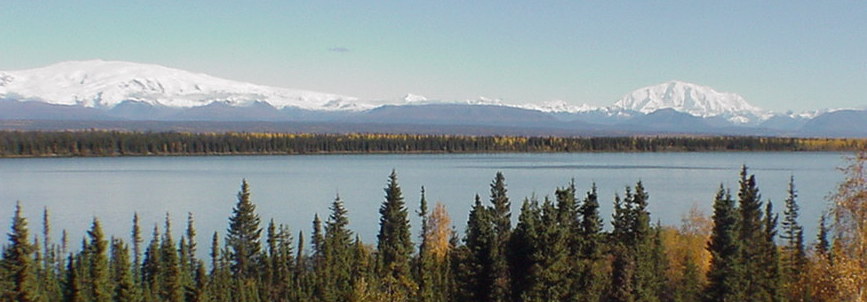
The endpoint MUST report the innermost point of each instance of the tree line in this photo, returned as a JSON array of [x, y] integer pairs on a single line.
[[559, 250], [121, 143]]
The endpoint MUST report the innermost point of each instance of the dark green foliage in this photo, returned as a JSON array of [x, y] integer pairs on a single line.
[[125, 288], [119, 143], [823, 246], [637, 268], [17, 263], [725, 277], [501, 209], [425, 266], [96, 251], [394, 246], [337, 259], [152, 266], [172, 289], [243, 235], [793, 258], [475, 264]]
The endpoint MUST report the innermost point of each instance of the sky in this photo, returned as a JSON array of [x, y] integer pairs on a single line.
[[779, 55]]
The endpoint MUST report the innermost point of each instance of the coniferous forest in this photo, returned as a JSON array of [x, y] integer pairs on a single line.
[[558, 248], [122, 143]]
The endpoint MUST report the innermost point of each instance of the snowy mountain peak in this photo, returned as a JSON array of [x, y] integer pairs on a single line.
[[690, 98], [105, 84], [410, 98]]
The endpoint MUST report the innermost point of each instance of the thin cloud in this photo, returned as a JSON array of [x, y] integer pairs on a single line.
[[339, 49]]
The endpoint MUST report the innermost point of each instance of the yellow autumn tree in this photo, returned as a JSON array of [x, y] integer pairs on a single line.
[[841, 275]]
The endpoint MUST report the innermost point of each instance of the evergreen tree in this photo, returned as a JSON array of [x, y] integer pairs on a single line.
[[338, 253], [173, 289], [243, 236], [590, 282], [98, 284], [502, 220], [394, 245], [794, 258], [522, 245], [125, 289], [50, 286], [136, 249], [725, 276], [823, 246], [771, 279], [73, 287], [752, 234], [152, 266], [18, 263], [476, 265], [424, 267]]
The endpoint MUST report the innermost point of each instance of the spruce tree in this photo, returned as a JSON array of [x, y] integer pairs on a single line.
[[771, 279], [502, 219], [173, 289], [752, 234], [523, 244], [18, 263], [135, 236], [98, 284], [794, 259], [590, 281], [394, 245], [243, 235], [725, 276], [823, 245], [125, 289], [152, 266], [475, 265], [424, 268], [338, 253]]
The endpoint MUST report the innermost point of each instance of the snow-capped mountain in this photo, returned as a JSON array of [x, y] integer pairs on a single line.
[[105, 84], [696, 100]]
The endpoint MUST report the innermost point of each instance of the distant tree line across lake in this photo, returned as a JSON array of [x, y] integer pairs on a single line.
[[559, 250], [120, 143]]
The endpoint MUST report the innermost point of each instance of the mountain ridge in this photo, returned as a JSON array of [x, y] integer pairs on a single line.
[[116, 90]]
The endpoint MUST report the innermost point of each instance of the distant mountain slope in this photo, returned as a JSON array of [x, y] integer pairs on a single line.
[[105, 84], [459, 114], [838, 123]]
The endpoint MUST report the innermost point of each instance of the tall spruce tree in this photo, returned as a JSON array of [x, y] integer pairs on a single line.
[[424, 267], [125, 288], [725, 276], [793, 259], [135, 236], [590, 282], [338, 253], [394, 244], [172, 288], [752, 234], [18, 263], [151, 271], [772, 277], [243, 235], [475, 266], [502, 219], [97, 253]]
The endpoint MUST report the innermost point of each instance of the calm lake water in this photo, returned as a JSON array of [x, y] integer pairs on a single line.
[[291, 189]]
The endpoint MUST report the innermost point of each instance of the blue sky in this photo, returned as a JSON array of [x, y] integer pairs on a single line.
[[779, 55]]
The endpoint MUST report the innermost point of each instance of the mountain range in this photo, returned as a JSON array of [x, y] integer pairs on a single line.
[[117, 93]]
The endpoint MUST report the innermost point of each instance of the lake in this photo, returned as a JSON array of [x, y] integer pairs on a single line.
[[291, 189]]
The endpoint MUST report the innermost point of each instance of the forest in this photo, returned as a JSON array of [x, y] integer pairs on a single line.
[[122, 143], [559, 249]]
